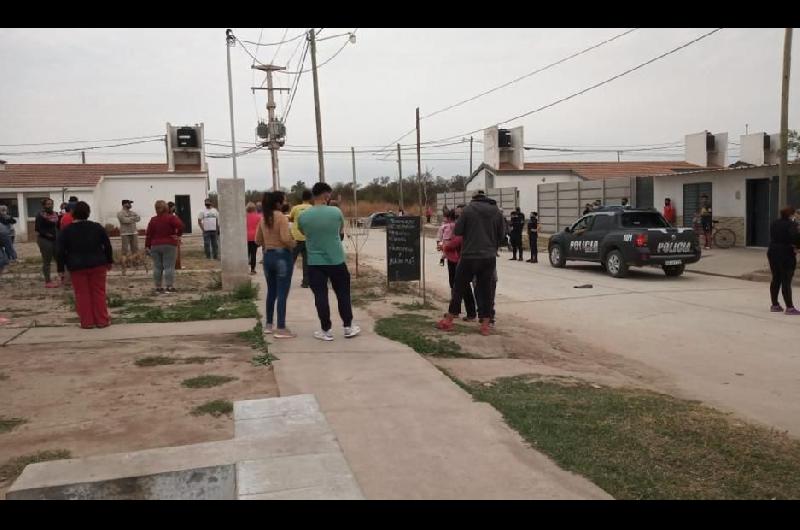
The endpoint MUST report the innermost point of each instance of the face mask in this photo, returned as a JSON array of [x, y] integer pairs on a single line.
[[48, 209]]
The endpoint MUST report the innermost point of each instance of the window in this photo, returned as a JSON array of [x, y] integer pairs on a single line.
[[644, 220], [13, 209], [691, 199], [584, 223], [603, 222], [33, 205]]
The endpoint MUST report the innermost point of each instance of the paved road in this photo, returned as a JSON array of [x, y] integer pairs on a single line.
[[712, 337]]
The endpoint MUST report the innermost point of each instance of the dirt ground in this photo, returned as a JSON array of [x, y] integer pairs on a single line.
[[92, 399], [516, 347]]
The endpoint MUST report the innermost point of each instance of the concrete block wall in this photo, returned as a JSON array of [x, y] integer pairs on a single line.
[[736, 224]]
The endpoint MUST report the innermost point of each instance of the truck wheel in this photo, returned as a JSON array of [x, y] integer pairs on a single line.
[[615, 264], [557, 257], [674, 270]]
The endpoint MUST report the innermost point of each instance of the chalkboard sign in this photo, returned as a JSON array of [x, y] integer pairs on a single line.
[[402, 249]]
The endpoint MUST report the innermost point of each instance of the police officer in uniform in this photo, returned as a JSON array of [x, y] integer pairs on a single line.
[[517, 223], [533, 237]]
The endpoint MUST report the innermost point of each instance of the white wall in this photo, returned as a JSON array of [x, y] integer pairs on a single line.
[[491, 152], [527, 186], [752, 148], [479, 182], [145, 190]]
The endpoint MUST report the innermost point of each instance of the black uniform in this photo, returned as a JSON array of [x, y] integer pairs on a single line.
[[516, 223], [533, 238], [784, 237]]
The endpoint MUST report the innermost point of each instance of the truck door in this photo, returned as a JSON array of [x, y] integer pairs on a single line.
[[579, 234]]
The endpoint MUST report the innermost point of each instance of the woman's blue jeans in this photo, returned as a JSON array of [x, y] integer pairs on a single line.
[[278, 271]]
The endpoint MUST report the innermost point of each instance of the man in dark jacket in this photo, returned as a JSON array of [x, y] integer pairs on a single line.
[[515, 233], [481, 225], [533, 237]]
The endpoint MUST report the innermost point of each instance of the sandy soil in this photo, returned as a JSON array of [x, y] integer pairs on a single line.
[[92, 399]]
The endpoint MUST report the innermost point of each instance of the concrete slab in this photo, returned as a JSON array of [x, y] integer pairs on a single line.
[[283, 425], [328, 473], [46, 335], [264, 408], [6, 334], [335, 491]]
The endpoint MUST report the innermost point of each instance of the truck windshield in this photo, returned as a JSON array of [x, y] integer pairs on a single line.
[[644, 220]]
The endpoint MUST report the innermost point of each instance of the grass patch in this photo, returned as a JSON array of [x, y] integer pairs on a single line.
[[255, 337], [9, 424], [413, 330], [207, 381], [416, 305], [216, 408], [115, 300], [637, 444], [211, 307], [245, 291], [14, 467], [161, 360]]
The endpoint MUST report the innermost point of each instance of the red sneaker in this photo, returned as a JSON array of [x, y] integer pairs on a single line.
[[51, 285], [486, 329], [446, 323]]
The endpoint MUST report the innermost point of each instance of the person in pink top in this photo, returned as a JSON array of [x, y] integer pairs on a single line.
[[452, 252], [444, 234], [253, 218]]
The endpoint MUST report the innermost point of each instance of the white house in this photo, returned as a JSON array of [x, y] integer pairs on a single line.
[[182, 180], [504, 166]]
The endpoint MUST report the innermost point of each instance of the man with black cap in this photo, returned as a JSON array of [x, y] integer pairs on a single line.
[[127, 228]]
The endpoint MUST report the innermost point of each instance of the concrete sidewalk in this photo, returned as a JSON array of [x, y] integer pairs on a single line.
[[53, 334], [407, 431]]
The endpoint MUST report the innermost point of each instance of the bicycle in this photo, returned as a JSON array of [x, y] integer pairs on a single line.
[[722, 237]]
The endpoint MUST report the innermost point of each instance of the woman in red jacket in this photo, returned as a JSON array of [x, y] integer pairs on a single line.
[[253, 218], [163, 233], [452, 252]]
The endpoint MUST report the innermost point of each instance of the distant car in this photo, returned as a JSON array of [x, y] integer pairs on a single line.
[[378, 219], [619, 238]]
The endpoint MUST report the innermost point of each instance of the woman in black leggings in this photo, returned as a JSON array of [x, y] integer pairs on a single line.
[[783, 242]]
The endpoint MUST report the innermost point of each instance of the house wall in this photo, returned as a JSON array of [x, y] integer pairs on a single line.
[[527, 185], [144, 191], [24, 226], [479, 182], [728, 194]]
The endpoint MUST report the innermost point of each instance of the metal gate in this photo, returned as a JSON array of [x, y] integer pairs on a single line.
[[561, 203]]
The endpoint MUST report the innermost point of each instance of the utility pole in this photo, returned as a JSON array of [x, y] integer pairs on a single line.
[[470, 156], [312, 38], [422, 225], [355, 203], [400, 175], [276, 130], [617, 156], [83, 157], [230, 41], [784, 153]]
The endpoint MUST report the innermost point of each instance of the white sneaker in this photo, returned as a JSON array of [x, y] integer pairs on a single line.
[[323, 335], [351, 332], [267, 329]]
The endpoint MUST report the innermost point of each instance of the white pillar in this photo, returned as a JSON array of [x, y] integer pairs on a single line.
[[233, 232], [21, 228]]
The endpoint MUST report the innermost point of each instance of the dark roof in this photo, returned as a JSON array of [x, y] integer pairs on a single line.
[[74, 175]]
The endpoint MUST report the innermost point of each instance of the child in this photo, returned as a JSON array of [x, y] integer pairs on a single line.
[[444, 235]]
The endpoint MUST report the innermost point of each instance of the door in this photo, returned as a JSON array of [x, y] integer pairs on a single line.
[[581, 244], [758, 212], [691, 199], [644, 192], [183, 209]]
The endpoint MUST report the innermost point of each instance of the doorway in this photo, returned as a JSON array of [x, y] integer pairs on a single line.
[[183, 209], [758, 212]]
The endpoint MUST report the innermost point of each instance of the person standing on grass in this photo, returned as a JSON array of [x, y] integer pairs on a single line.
[[323, 228], [85, 250], [174, 211], [8, 222], [481, 225], [128, 235], [784, 240], [533, 237], [253, 218], [300, 248], [208, 221], [274, 236], [452, 251], [46, 227], [163, 234]]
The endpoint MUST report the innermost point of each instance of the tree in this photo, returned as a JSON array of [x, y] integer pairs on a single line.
[[794, 145], [296, 192]]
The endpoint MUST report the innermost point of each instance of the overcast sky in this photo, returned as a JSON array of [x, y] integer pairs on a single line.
[[91, 84]]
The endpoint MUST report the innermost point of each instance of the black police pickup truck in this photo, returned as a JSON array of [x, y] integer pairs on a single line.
[[619, 238]]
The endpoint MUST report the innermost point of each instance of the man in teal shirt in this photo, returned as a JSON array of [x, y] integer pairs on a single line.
[[322, 226]]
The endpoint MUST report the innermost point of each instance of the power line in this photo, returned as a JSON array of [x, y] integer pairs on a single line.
[[517, 79], [295, 85], [596, 85], [284, 41], [83, 141], [84, 148], [332, 57], [279, 46]]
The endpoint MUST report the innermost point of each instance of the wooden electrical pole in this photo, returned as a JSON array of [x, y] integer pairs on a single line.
[[784, 152], [355, 204], [275, 128], [470, 156], [312, 38], [400, 176], [421, 213]]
